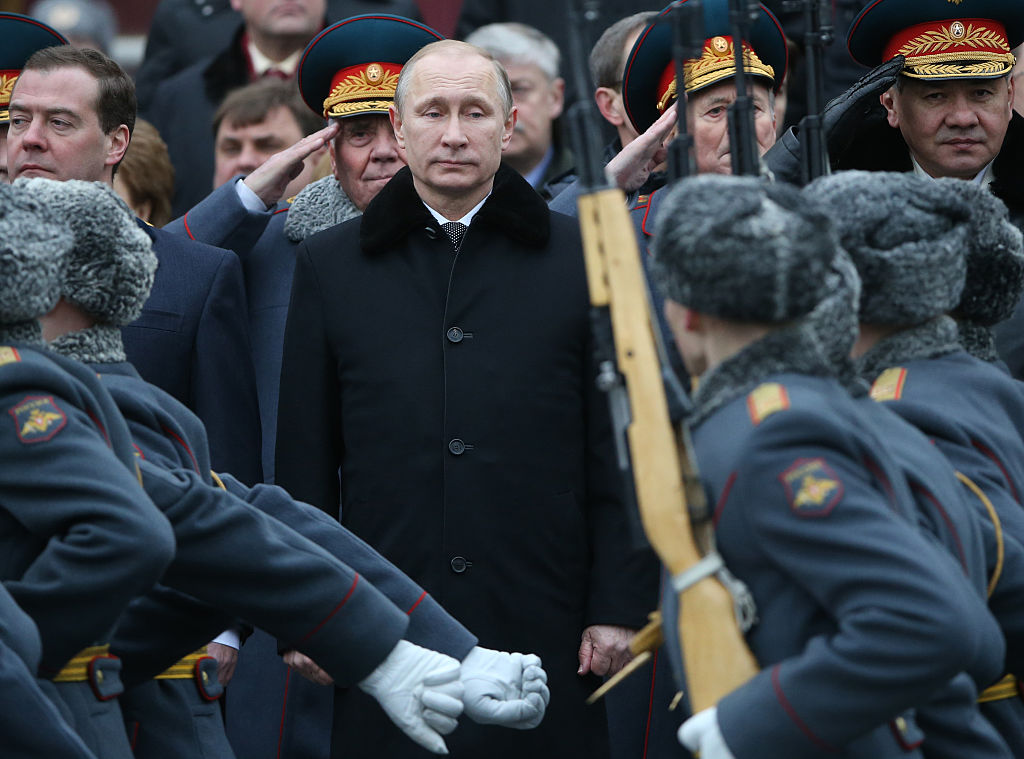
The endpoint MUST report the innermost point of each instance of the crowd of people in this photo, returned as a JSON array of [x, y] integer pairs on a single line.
[[306, 452]]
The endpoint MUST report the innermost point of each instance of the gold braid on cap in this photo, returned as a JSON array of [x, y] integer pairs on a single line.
[[717, 62], [953, 50], [370, 89]]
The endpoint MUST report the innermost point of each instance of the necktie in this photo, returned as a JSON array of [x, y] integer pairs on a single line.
[[455, 230]]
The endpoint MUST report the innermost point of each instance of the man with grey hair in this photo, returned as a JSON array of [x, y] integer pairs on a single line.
[[532, 60], [472, 445]]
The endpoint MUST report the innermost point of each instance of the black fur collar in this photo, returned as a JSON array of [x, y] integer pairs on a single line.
[[881, 148], [514, 209]]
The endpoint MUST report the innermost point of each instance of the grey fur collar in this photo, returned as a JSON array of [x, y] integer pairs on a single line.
[[99, 344], [318, 206], [28, 333], [936, 337], [788, 350], [977, 339]]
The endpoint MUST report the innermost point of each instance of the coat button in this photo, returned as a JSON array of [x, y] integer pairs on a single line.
[[460, 565], [455, 335], [457, 447]]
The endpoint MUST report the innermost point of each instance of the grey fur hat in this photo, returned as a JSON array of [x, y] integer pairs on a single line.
[[995, 261], [32, 250], [907, 236], [740, 248], [109, 271]]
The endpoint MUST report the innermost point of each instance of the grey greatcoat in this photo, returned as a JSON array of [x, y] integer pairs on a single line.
[[455, 391]]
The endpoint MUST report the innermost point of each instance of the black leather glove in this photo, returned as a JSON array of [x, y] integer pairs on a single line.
[[843, 117]]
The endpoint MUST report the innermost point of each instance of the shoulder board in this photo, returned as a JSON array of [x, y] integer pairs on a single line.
[[291, 200], [8, 355], [642, 201], [889, 385], [766, 400]]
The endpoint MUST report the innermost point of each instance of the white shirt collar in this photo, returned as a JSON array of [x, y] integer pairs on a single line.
[[261, 63], [984, 177], [467, 219]]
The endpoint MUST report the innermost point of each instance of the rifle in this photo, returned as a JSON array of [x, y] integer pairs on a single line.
[[742, 133], [705, 635], [814, 160], [687, 42]]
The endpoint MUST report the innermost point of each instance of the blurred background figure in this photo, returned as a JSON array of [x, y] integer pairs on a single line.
[[86, 23], [537, 150], [1018, 82], [258, 120], [145, 178], [607, 60]]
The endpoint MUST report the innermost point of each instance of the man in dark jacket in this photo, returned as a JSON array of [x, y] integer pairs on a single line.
[[444, 366]]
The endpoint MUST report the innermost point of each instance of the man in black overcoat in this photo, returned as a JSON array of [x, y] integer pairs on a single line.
[[438, 354]]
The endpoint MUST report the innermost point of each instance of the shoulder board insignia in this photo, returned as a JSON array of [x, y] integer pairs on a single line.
[[889, 385], [812, 487], [37, 419], [8, 355], [642, 200], [291, 200], [766, 400]]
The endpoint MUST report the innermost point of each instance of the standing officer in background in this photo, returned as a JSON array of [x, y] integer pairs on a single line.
[[448, 358], [192, 339]]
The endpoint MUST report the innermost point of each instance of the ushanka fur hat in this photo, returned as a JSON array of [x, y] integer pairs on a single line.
[[109, 270], [32, 250], [908, 237], [743, 249], [995, 260]]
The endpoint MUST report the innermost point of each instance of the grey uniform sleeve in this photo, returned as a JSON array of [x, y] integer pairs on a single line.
[[222, 219]]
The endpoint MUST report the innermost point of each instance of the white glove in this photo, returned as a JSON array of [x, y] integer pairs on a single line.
[[701, 733], [420, 691], [505, 689]]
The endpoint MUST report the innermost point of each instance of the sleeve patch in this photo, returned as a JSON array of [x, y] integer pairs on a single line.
[[812, 487], [889, 385], [37, 419], [766, 400], [8, 355]]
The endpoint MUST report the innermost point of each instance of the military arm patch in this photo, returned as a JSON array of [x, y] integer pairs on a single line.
[[765, 400], [889, 385], [37, 419], [8, 355], [812, 487]]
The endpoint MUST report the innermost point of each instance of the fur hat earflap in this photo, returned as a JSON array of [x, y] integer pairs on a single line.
[[32, 250], [995, 261], [742, 249], [110, 269], [907, 236], [834, 321]]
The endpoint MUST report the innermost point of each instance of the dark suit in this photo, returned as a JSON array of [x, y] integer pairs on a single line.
[[192, 341], [456, 393]]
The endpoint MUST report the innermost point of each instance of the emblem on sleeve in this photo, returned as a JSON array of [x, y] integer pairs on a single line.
[[812, 487], [37, 419]]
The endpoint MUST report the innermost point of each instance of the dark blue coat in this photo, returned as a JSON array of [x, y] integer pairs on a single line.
[[192, 340], [860, 617]]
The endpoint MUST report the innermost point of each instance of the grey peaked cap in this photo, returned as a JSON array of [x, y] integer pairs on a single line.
[[742, 249], [32, 250], [907, 236], [110, 268], [995, 261]]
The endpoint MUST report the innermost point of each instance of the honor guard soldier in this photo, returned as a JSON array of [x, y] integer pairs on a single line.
[[22, 36], [106, 279], [74, 565], [846, 590], [910, 239], [347, 75]]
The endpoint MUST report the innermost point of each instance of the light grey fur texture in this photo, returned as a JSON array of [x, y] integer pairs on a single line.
[[109, 271], [32, 250], [995, 260], [742, 249], [936, 337], [319, 205], [907, 236], [98, 344]]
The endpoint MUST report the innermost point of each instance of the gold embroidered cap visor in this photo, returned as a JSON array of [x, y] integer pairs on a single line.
[[22, 36], [351, 68], [940, 39], [648, 81]]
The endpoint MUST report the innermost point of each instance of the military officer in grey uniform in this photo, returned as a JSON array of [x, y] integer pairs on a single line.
[[74, 565], [106, 280], [803, 499], [910, 238]]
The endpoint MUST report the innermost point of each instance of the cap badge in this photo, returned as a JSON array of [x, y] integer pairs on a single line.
[[957, 30], [374, 73], [721, 45]]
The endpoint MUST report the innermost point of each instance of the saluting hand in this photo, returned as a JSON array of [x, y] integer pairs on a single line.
[[270, 180]]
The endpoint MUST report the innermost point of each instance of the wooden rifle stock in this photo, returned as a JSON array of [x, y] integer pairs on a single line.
[[715, 654]]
